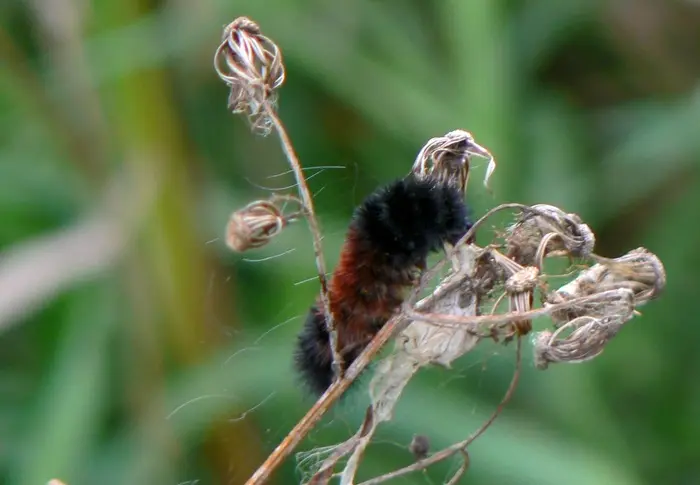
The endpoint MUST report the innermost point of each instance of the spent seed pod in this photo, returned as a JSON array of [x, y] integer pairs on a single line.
[[638, 271], [585, 337], [544, 229], [251, 65], [448, 158], [257, 223]]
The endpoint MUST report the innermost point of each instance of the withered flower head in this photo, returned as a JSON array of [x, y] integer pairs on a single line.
[[545, 229], [605, 297], [257, 223], [447, 158], [251, 65], [585, 337], [639, 271]]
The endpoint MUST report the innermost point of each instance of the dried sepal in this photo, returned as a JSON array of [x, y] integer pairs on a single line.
[[545, 229], [447, 158], [257, 223], [251, 65]]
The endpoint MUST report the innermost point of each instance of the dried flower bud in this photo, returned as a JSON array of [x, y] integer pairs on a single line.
[[520, 288], [251, 65], [420, 446], [546, 229], [254, 225], [447, 158]]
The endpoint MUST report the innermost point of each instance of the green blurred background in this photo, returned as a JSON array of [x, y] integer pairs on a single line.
[[136, 349]]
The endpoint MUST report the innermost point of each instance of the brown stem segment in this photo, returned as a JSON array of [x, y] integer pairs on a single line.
[[315, 233], [324, 403]]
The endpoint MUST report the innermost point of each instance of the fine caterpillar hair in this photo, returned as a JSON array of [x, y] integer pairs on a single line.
[[390, 236]]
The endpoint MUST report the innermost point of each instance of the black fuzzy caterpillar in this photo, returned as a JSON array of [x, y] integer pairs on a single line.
[[390, 237]]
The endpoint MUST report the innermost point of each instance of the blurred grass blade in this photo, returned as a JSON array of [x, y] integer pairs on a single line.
[[71, 404]]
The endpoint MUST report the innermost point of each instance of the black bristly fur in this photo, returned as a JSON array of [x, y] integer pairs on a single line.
[[313, 357], [411, 217], [391, 234]]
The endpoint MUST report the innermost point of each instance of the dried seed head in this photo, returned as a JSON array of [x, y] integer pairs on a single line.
[[605, 298], [639, 271], [251, 65], [257, 223], [447, 158], [545, 229], [586, 336], [420, 446]]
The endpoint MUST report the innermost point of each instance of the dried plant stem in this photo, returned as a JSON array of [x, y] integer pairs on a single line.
[[472, 230], [462, 445], [510, 317], [310, 213], [324, 403], [462, 469]]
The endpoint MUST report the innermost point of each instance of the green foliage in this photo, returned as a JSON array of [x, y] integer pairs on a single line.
[[173, 363]]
